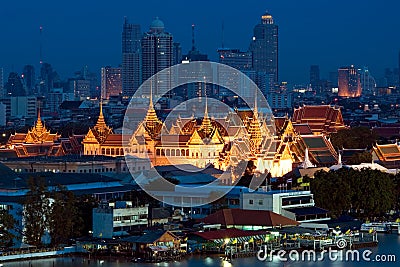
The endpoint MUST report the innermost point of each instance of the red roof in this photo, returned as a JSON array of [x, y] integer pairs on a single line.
[[248, 217], [321, 118], [227, 233]]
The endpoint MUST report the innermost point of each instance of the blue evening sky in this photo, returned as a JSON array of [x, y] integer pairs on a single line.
[[325, 32]]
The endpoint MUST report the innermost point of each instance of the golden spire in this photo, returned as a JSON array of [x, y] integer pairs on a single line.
[[255, 128], [39, 125], [151, 116], [100, 121], [101, 127], [206, 125]]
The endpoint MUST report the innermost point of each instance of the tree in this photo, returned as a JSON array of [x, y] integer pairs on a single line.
[[36, 211], [85, 205], [366, 193], [64, 220], [358, 158], [357, 138], [7, 224]]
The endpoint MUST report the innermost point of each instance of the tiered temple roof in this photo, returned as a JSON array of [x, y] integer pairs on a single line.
[[324, 119]]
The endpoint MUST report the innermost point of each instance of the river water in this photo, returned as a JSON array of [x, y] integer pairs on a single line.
[[388, 249]]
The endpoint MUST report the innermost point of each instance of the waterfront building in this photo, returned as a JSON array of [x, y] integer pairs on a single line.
[[118, 218], [296, 205], [247, 219], [349, 80], [14, 187]]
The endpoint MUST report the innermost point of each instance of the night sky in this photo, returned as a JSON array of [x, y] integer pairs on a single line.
[[325, 32]]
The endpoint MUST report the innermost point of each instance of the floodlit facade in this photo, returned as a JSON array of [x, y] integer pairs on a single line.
[[349, 80]]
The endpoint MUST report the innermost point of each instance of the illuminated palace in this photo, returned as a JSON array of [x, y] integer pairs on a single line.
[[223, 142], [39, 141], [101, 140]]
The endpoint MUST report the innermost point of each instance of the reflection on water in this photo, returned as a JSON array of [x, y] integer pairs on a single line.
[[388, 244]]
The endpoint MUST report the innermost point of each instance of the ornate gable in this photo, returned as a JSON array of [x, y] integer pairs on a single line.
[[195, 139]]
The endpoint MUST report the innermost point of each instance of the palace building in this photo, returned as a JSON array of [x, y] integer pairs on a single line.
[[222, 142], [101, 140], [39, 141]]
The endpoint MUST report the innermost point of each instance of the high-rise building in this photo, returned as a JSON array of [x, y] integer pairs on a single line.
[[28, 76], [264, 48], [157, 54], [349, 81], [177, 50], [14, 86], [131, 58], [111, 82], [314, 77], [80, 88], [236, 59], [47, 77], [2, 93]]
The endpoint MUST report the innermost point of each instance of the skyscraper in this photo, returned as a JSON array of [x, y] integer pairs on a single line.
[[111, 82], [314, 74], [349, 81], [14, 86], [264, 48], [29, 79], [157, 53], [2, 93], [131, 58]]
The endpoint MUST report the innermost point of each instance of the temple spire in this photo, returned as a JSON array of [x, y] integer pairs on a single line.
[[39, 124], [151, 119], [255, 128], [101, 123], [206, 125]]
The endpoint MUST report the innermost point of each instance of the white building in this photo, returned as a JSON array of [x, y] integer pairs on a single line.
[[296, 205], [115, 219]]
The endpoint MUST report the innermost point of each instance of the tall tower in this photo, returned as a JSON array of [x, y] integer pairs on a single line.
[[349, 80], [131, 58], [315, 78], [2, 93], [264, 48], [157, 53], [29, 78]]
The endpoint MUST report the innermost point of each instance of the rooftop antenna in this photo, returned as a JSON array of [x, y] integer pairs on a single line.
[[193, 43], [41, 45], [222, 35]]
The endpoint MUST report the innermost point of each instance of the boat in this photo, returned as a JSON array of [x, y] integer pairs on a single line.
[[377, 227]]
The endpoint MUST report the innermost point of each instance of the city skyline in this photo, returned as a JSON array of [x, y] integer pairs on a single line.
[[327, 35]]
